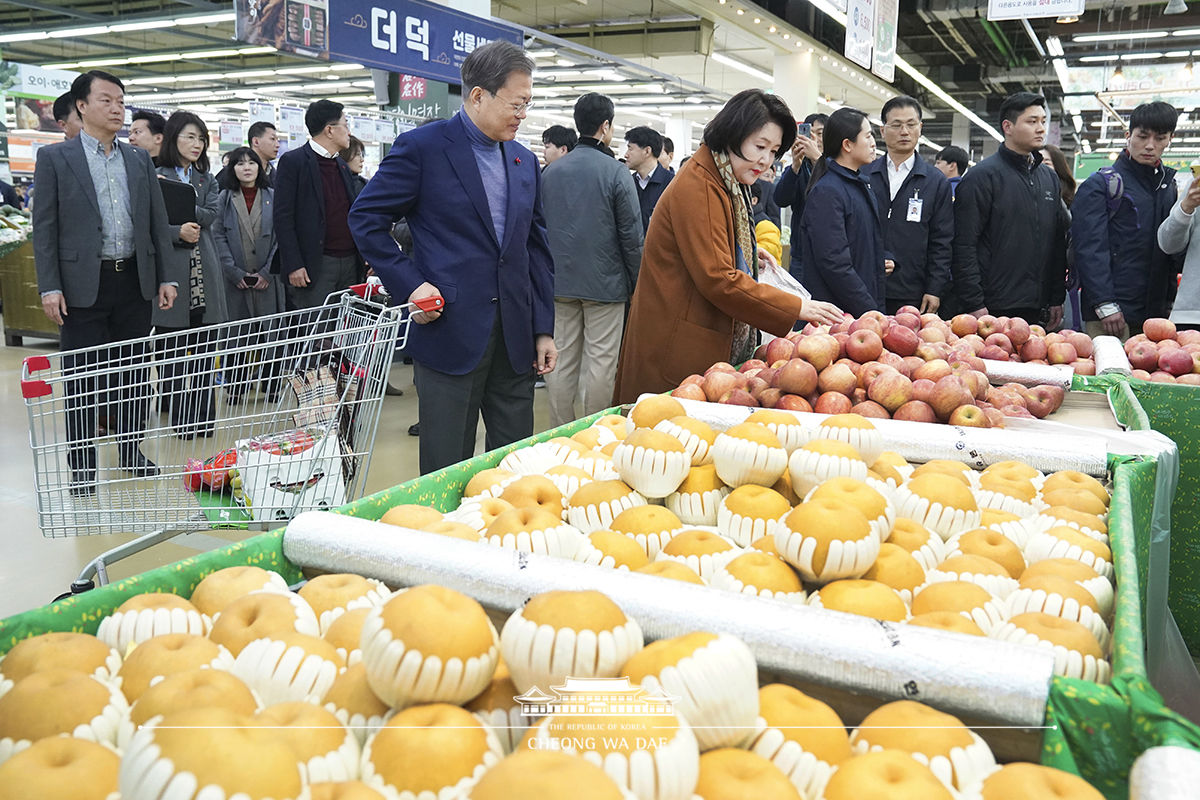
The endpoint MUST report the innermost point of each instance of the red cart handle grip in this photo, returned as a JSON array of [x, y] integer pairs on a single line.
[[435, 303]]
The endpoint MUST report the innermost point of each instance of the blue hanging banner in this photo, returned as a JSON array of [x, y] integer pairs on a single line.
[[411, 36]]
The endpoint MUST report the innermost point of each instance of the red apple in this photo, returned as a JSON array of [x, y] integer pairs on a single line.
[[927, 352], [843, 326], [820, 350], [1141, 374], [999, 340], [1176, 361], [864, 345], [923, 390], [1018, 331], [915, 411], [1044, 400], [892, 360], [964, 324], [850, 364], [841, 339], [689, 391], [974, 362], [1034, 349], [761, 351], [1167, 344], [908, 319], [932, 370], [770, 397], [1189, 336], [1084, 366], [739, 397], [909, 309], [833, 403], [770, 375], [988, 325], [901, 340], [1191, 379], [1082, 343], [1061, 353], [994, 416], [752, 364], [949, 393], [837, 378], [974, 340], [876, 315], [797, 377], [791, 402], [890, 389], [859, 395], [977, 382], [1143, 356], [1162, 377], [931, 333], [865, 323], [912, 362], [693, 378], [869, 408], [779, 350], [756, 386], [720, 383], [969, 416], [993, 352], [868, 372], [1054, 338], [929, 319], [1158, 329], [1016, 411]]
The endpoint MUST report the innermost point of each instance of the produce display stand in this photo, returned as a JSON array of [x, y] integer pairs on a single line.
[[1092, 730]]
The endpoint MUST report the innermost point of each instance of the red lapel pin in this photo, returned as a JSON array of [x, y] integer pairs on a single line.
[[517, 161]]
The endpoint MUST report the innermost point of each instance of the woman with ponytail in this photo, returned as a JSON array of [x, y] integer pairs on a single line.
[[698, 300], [841, 235]]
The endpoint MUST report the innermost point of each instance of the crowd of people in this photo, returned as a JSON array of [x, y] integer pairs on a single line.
[[607, 277]]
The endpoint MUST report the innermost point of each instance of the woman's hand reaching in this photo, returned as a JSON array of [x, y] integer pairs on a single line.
[[818, 312]]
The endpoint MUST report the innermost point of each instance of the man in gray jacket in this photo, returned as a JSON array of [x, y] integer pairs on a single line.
[[104, 255], [594, 224]]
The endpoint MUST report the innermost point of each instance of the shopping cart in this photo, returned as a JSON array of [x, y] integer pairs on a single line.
[[246, 423]]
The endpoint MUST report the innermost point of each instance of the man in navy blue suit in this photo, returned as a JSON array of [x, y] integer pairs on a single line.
[[472, 199]]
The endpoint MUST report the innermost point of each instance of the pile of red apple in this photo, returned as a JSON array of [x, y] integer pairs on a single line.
[[1160, 353], [911, 366]]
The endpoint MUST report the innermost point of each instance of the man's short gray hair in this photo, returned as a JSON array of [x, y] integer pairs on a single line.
[[488, 67]]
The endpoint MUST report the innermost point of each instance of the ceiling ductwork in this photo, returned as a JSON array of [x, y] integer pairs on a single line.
[[642, 39]]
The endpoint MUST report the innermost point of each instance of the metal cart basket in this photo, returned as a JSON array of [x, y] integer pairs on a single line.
[[245, 423]]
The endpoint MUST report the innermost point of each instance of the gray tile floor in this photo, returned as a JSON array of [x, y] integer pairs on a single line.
[[34, 569]]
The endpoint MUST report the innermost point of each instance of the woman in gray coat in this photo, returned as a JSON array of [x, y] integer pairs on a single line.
[[188, 368], [1177, 234], [244, 234]]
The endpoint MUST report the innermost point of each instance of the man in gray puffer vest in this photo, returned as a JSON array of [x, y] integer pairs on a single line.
[[594, 225]]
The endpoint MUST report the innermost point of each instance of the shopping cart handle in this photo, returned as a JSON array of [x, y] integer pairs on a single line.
[[31, 389], [372, 287], [435, 303]]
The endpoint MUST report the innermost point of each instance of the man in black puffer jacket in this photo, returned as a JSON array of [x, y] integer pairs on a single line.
[[1010, 227]]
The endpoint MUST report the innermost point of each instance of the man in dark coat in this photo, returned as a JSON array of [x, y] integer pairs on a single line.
[[643, 146], [1010, 226], [917, 211], [792, 186], [1126, 276]]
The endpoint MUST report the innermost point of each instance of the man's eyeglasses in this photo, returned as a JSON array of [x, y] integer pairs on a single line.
[[896, 127], [516, 108]]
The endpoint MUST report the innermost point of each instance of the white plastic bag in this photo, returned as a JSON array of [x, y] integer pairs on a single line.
[[780, 278]]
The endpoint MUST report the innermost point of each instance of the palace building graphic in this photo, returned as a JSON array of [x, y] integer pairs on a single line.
[[598, 696]]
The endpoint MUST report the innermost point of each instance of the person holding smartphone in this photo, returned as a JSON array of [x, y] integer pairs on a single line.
[[792, 186], [1126, 276], [1176, 235]]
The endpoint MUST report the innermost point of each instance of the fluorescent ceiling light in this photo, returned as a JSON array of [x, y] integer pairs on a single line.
[[122, 27], [1054, 46], [1118, 37], [212, 54], [721, 58], [300, 70], [541, 53], [1186, 32], [1140, 56], [1097, 59], [1077, 121], [153, 59], [346, 67]]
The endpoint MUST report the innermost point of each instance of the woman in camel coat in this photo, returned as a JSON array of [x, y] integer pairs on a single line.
[[698, 300]]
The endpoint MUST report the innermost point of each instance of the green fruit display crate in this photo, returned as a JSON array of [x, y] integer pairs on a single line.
[[1093, 730]]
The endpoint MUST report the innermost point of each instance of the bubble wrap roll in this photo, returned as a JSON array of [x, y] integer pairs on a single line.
[[981, 678], [999, 372], [1110, 356], [1165, 773], [923, 441]]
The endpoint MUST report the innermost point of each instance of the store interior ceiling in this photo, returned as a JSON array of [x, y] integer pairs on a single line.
[[681, 58]]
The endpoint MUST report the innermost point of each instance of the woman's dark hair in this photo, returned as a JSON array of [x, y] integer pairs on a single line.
[[845, 123], [1058, 160], [743, 116], [169, 156], [227, 179], [356, 146]]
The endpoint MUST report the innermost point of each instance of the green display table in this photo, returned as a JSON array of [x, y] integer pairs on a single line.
[[1093, 730]]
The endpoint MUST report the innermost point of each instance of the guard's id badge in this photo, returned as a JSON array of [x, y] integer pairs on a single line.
[[914, 209]]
